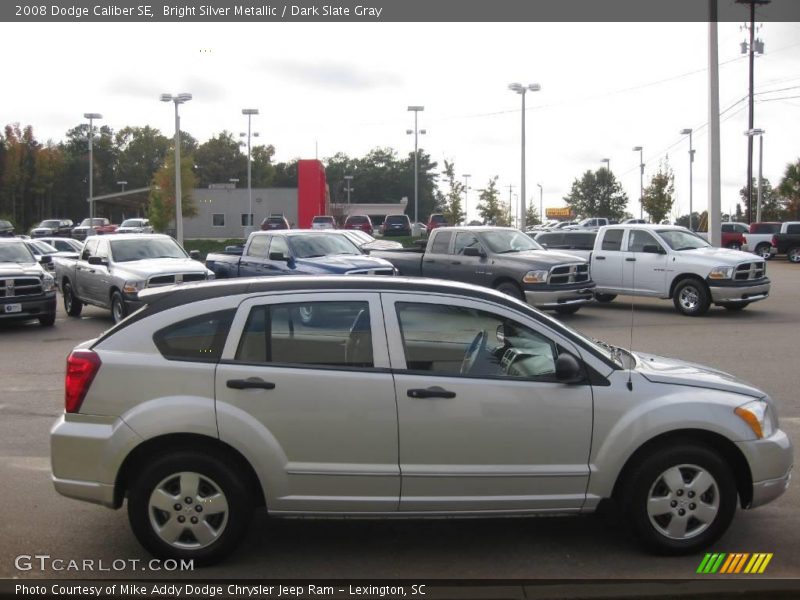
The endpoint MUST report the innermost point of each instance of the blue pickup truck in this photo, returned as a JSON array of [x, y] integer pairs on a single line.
[[296, 252]]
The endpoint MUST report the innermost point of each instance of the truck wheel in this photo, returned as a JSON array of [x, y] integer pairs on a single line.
[[680, 499], [763, 250], [72, 305], [47, 320], [118, 309], [190, 505], [511, 289], [691, 298], [735, 246], [567, 310], [793, 254], [604, 297]]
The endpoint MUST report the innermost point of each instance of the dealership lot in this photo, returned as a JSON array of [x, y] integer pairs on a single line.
[[758, 344]]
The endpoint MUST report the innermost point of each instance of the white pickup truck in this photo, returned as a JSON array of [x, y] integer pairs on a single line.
[[664, 261], [760, 238]]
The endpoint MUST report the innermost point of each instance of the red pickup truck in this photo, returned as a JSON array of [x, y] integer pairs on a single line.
[[99, 225]]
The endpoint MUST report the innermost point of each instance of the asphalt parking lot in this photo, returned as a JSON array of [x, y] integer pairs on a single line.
[[758, 344]]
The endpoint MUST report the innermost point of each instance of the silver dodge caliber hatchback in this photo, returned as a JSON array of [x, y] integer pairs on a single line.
[[407, 398]]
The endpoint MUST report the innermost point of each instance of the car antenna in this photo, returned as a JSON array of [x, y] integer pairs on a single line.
[[629, 383]]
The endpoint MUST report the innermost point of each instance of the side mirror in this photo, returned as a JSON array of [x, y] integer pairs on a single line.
[[568, 370], [472, 251], [46, 260], [543, 245], [95, 260], [194, 254], [278, 256], [652, 249]]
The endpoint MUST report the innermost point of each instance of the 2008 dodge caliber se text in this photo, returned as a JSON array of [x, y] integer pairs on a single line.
[[405, 398]]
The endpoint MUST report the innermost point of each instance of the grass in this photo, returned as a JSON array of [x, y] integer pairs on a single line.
[[205, 247]]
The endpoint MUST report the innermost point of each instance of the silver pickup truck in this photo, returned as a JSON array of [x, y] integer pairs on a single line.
[[111, 271]]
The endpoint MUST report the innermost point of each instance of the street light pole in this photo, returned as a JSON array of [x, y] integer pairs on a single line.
[[521, 90], [760, 133], [541, 203], [688, 132], [178, 99], [466, 177], [348, 189], [249, 112], [640, 150], [91, 117], [416, 132]]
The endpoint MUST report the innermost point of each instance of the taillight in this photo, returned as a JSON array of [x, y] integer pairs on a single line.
[[775, 241], [82, 366]]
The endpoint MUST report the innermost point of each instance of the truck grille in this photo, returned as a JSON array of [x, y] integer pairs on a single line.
[[175, 278], [21, 286], [564, 274], [378, 271], [750, 270]]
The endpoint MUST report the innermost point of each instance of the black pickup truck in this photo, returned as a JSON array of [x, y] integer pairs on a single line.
[[502, 258], [788, 242]]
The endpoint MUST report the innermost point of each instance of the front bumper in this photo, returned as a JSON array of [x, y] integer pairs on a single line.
[[771, 461], [732, 292], [555, 296], [39, 306]]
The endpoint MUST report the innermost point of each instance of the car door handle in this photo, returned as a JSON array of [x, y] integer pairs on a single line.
[[251, 383], [600, 257], [431, 392], [630, 259]]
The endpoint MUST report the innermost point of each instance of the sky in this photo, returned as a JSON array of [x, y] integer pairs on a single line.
[[325, 88]]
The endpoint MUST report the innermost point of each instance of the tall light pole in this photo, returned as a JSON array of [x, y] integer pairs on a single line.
[[541, 203], [688, 131], [349, 180], [91, 117], [521, 90], [249, 112], [123, 184], [416, 110], [466, 177], [640, 150], [177, 99], [608, 163], [760, 133]]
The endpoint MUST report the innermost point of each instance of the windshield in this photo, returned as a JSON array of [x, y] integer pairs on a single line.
[[86, 222], [504, 241], [315, 245], [49, 224], [682, 240], [16, 253], [322, 220], [40, 247], [360, 236], [396, 219], [143, 249], [132, 223]]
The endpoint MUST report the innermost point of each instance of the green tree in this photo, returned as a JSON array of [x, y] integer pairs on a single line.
[[772, 204], [490, 208], [262, 171], [140, 153], [450, 201], [789, 188], [49, 169], [162, 195], [532, 216], [220, 159], [659, 195], [597, 194]]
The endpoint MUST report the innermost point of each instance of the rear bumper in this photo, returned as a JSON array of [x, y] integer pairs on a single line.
[[31, 308], [558, 296], [738, 292]]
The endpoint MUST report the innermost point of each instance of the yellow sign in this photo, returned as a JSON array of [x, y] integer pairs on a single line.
[[559, 213]]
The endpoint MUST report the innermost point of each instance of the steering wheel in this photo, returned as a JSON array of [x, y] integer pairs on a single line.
[[476, 347]]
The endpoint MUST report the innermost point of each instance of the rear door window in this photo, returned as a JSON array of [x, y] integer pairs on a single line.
[[441, 242], [612, 240]]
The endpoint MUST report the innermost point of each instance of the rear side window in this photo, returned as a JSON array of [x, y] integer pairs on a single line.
[[258, 246], [551, 239], [583, 241], [612, 240], [199, 339], [441, 242], [793, 228]]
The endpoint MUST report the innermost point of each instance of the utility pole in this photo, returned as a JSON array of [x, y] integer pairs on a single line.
[[511, 186], [714, 194]]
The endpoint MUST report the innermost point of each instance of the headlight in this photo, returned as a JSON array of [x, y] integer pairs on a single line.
[[535, 277], [721, 273], [133, 287], [757, 415], [48, 283]]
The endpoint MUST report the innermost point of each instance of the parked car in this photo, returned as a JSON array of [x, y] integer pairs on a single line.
[[26, 290], [578, 243], [97, 226], [423, 398], [135, 226], [632, 222], [275, 222], [367, 243], [670, 262], [396, 225], [591, 224], [6, 228], [40, 248], [53, 227], [502, 258], [788, 241], [112, 270], [323, 222], [63, 244], [434, 221], [362, 222], [759, 239]]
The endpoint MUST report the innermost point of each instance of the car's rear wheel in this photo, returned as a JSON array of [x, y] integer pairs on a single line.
[[735, 246], [691, 298], [679, 499], [604, 297], [190, 505], [72, 305], [764, 251], [118, 309], [793, 255]]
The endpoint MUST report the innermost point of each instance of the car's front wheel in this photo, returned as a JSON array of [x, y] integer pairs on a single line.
[[118, 309], [191, 506], [72, 305], [680, 498], [691, 298]]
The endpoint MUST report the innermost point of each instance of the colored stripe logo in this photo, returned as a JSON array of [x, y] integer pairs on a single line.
[[736, 562]]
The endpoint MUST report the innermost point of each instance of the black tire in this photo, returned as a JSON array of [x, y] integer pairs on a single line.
[[763, 250], [118, 309], [705, 492], [604, 297], [567, 310], [736, 306], [793, 254], [691, 298], [734, 246], [511, 289], [47, 320], [72, 305], [215, 475]]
